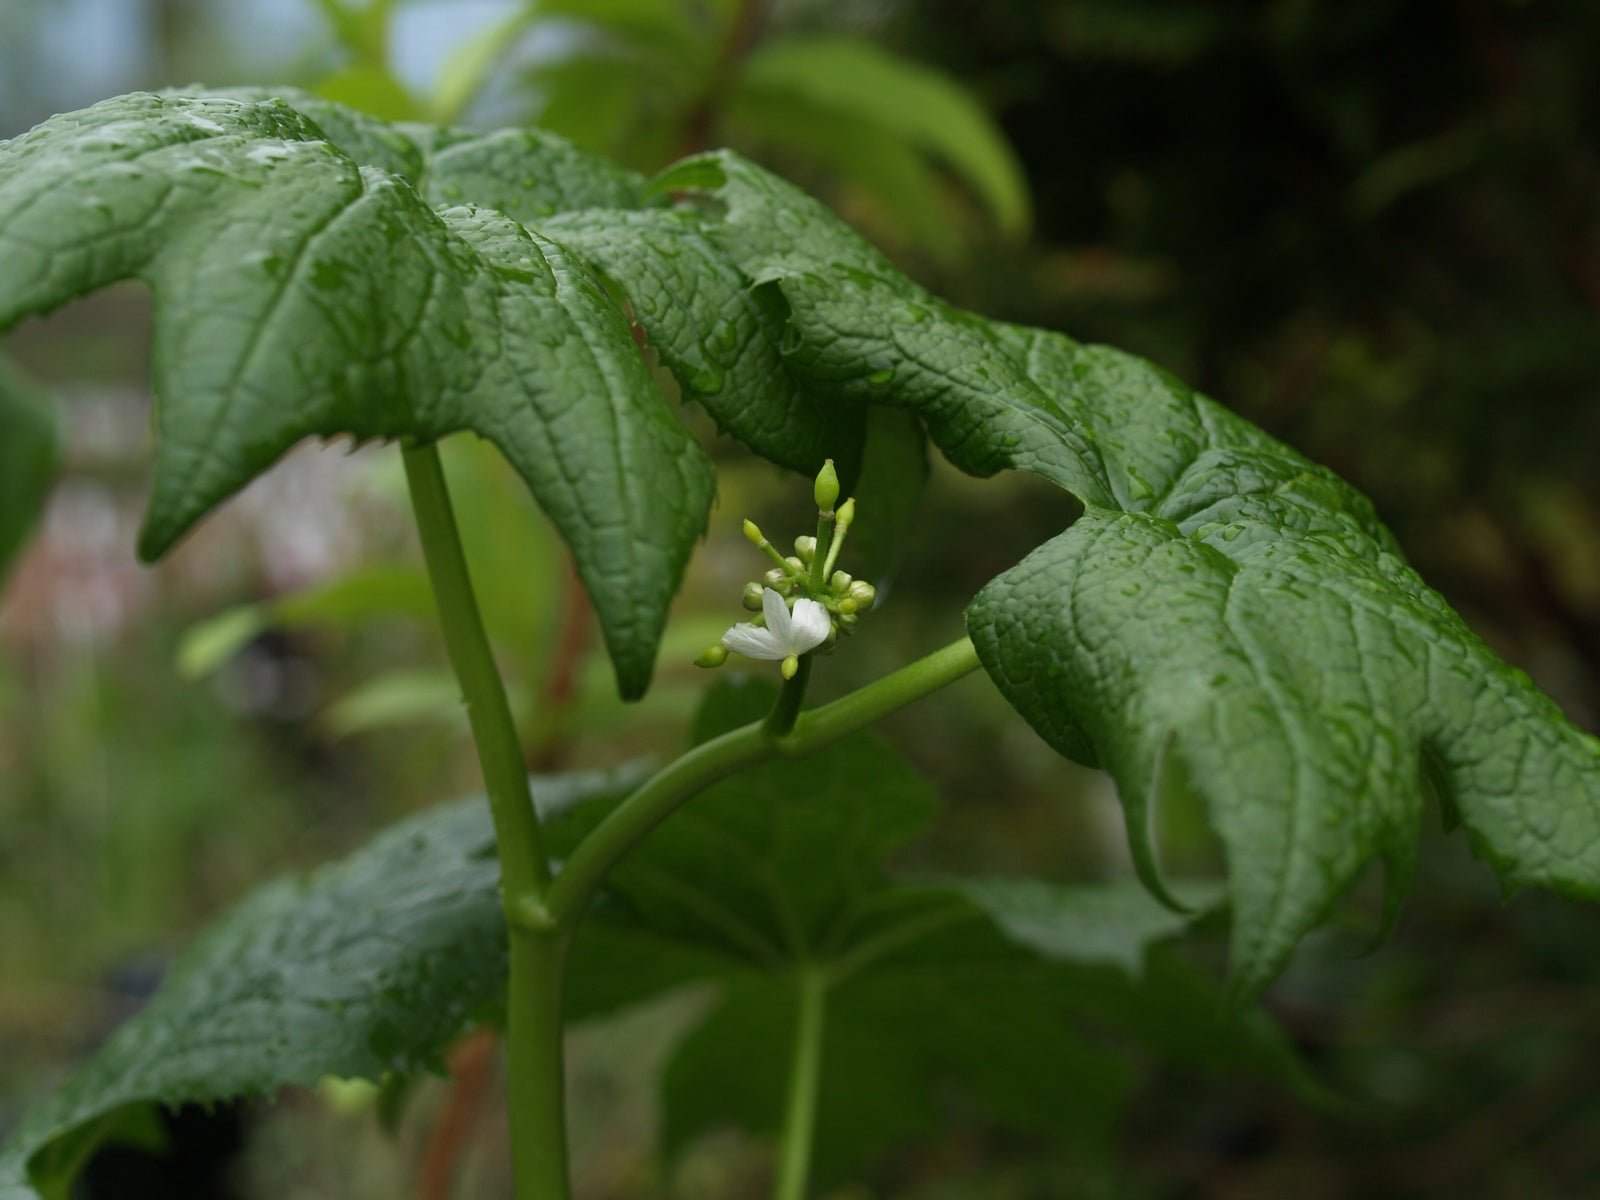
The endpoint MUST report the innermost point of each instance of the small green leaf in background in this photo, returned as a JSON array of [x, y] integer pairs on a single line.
[[366, 969], [1000, 988], [352, 600], [371, 89], [917, 107], [28, 454]]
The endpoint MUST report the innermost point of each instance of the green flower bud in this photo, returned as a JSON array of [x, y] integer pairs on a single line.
[[790, 666], [827, 489], [806, 547], [776, 578], [840, 583], [847, 606], [752, 597], [846, 514], [863, 594], [798, 567], [712, 656], [753, 532]]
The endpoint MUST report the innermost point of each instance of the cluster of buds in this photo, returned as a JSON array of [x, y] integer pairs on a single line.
[[803, 601]]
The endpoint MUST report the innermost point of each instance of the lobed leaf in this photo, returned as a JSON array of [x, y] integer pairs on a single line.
[[304, 288], [1226, 616]]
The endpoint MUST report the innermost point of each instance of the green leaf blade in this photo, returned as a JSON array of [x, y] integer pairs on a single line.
[[997, 989], [368, 967], [302, 294], [1298, 686], [1227, 616]]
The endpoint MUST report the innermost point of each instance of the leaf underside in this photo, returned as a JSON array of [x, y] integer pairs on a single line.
[[1226, 618]]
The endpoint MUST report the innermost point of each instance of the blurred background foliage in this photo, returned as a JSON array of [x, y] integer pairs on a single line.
[[1373, 226]]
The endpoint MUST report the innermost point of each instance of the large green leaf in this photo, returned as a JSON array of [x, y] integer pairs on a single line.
[[373, 966], [304, 288], [27, 460], [720, 339], [999, 988], [369, 967], [1226, 617]]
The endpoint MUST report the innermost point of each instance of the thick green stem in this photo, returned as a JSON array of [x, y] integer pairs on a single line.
[[525, 871], [686, 777], [535, 1064], [805, 1077], [533, 1002]]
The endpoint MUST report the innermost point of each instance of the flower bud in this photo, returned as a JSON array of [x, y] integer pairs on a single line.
[[753, 532], [806, 547], [863, 594], [712, 656], [827, 490], [840, 583], [798, 567], [752, 597], [790, 666], [846, 514], [776, 578], [847, 607]]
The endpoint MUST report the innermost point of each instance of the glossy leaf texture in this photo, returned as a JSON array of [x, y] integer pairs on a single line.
[[369, 967], [28, 458], [1022, 997], [303, 287], [1226, 617]]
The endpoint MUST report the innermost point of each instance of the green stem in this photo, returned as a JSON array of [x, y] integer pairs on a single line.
[[824, 547], [683, 779], [535, 1064], [805, 1076], [525, 871], [823, 726], [533, 1001], [776, 556], [787, 708]]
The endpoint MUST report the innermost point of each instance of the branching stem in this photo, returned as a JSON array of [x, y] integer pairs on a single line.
[[683, 779], [538, 948], [542, 913]]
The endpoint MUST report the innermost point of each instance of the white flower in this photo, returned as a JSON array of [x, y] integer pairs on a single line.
[[787, 635]]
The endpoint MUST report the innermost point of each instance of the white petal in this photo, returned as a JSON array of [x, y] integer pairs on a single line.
[[810, 628], [776, 609], [754, 642]]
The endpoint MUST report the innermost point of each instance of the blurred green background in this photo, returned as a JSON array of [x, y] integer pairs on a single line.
[[1372, 226]]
